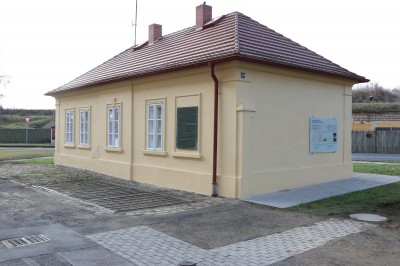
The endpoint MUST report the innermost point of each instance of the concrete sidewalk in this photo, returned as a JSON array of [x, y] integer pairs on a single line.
[[292, 197]]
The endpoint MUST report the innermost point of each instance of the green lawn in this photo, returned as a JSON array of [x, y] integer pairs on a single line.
[[24, 153], [373, 200], [364, 201], [382, 169], [39, 161]]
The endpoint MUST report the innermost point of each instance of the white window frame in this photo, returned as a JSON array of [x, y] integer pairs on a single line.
[[154, 139], [113, 135], [69, 127], [84, 127]]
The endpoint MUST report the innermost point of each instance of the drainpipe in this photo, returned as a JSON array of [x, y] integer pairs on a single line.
[[215, 137]]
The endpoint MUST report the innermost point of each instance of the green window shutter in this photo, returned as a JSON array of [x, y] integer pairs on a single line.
[[187, 127]]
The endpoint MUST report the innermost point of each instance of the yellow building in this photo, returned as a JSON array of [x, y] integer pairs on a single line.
[[227, 107]]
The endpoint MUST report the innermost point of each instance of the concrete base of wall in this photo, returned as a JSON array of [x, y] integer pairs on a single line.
[[117, 169]]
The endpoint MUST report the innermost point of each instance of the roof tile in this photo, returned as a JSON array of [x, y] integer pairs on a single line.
[[234, 36]]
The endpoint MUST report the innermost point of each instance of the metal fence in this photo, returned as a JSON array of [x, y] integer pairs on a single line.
[[376, 142], [30, 135]]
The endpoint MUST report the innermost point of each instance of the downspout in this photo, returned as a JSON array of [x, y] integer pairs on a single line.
[[215, 136]]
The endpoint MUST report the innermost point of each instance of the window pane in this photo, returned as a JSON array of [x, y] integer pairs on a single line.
[[116, 113], [110, 114], [158, 111], [151, 126], [116, 127], [158, 141], [151, 111], [110, 137], [150, 144], [116, 141], [158, 126]]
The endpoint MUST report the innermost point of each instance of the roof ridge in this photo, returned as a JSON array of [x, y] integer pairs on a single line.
[[237, 46], [231, 36]]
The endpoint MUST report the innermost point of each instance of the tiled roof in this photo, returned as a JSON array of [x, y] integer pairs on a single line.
[[234, 36]]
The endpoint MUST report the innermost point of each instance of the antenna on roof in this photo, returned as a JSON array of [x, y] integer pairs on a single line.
[[135, 24]]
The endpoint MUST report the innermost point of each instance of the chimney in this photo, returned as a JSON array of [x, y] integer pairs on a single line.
[[155, 32], [203, 15]]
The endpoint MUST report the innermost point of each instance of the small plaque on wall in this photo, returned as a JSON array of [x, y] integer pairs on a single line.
[[323, 135]]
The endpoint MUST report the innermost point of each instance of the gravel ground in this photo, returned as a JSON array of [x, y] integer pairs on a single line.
[[228, 222]]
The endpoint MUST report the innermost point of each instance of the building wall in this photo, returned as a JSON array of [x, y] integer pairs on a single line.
[[183, 169], [263, 137], [96, 156], [274, 108], [179, 169]]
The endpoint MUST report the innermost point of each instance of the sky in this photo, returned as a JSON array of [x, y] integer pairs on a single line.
[[47, 43]]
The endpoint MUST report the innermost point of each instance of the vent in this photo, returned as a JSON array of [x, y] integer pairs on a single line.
[[25, 240]]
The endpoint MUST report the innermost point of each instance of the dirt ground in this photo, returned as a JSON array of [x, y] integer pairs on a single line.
[[22, 205]]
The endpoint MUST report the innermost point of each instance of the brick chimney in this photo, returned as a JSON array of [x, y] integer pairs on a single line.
[[155, 32], [203, 15]]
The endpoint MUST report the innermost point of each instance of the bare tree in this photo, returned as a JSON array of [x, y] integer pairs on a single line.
[[373, 91], [4, 79]]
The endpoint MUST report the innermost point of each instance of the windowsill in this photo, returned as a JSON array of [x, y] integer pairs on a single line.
[[71, 146], [155, 153], [84, 147], [112, 149], [187, 155]]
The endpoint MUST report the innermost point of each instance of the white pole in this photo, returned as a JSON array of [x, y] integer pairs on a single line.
[[135, 21]]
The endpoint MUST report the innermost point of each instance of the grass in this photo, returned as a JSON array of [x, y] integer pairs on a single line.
[[39, 161], [376, 199], [364, 201], [24, 153], [379, 161], [45, 145], [381, 169]]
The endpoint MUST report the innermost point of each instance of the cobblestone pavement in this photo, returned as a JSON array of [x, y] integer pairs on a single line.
[[145, 246], [206, 202]]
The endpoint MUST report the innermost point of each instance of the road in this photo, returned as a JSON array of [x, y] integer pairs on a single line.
[[375, 156]]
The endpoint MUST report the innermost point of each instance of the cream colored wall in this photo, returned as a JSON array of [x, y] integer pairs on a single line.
[[263, 133], [179, 169], [187, 170], [96, 157], [274, 108]]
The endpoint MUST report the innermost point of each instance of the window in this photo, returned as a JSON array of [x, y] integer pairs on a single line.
[[84, 127], [114, 115], [154, 126], [187, 128], [69, 127]]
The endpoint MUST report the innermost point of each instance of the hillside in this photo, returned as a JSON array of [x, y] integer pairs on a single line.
[[15, 118]]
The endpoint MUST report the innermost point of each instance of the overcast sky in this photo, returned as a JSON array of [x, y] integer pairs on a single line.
[[46, 43]]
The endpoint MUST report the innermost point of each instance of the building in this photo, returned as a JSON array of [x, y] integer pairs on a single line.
[[383, 121], [227, 107]]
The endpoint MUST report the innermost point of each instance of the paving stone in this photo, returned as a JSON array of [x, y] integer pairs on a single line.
[[150, 247]]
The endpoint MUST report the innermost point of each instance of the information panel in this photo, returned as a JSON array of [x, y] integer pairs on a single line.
[[323, 134]]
